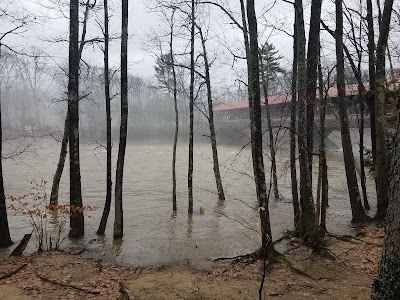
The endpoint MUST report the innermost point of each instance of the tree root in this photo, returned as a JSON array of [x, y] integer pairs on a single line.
[[13, 272], [349, 238], [66, 285], [238, 257], [272, 256], [298, 268], [22, 245], [123, 293], [329, 254]]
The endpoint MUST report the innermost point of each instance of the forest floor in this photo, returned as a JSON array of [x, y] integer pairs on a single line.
[[347, 274]]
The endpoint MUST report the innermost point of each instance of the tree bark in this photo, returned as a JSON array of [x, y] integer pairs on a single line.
[[363, 178], [312, 62], [323, 167], [175, 91], [213, 135], [264, 83], [382, 168], [64, 143], [358, 213], [371, 71], [253, 68], [387, 284], [5, 238], [191, 109], [76, 218], [119, 218], [107, 205], [293, 131], [61, 162], [307, 229]]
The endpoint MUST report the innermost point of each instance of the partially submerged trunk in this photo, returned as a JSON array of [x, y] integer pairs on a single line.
[[55, 189], [107, 205], [175, 91], [76, 218], [213, 135], [64, 143], [191, 110], [119, 218], [264, 83]]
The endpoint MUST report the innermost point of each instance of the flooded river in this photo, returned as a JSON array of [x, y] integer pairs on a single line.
[[153, 235]]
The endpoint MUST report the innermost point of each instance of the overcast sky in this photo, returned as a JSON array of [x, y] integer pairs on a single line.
[[50, 25]]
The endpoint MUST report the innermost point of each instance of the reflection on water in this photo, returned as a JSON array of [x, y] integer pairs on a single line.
[[155, 235]]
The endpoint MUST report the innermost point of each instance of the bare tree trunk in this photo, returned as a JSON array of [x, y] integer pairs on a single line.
[[323, 167], [267, 248], [357, 209], [191, 108], [293, 131], [371, 70], [312, 62], [387, 284], [213, 136], [119, 218], [362, 162], [171, 48], [61, 162], [76, 218], [5, 238], [107, 205], [307, 229], [382, 168], [264, 83], [64, 143]]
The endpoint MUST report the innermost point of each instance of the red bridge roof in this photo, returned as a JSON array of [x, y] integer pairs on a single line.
[[351, 89]]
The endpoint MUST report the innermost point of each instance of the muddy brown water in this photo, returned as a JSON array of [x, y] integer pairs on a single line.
[[152, 234]]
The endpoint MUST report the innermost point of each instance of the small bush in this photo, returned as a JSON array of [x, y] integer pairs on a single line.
[[49, 222]]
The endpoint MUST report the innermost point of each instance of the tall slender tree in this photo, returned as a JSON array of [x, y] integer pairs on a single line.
[[306, 229], [191, 109], [380, 114], [76, 219], [175, 93], [322, 190], [210, 118], [107, 205], [293, 131], [253, 67], [119, 218], [358, 213], [269, 67], [371, 72], [312, 62], [64, 142]]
